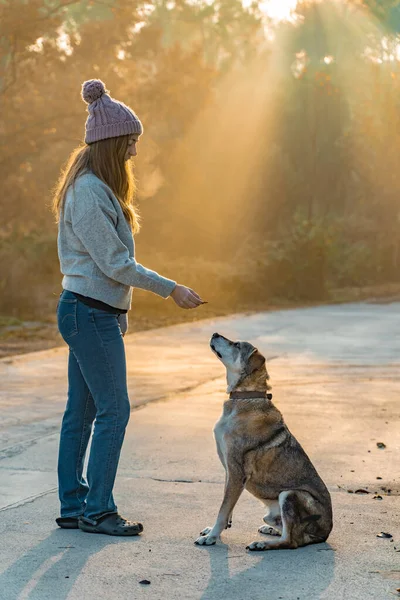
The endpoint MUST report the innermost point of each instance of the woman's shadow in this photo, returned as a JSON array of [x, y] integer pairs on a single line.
[[287, 574], [50, 568]]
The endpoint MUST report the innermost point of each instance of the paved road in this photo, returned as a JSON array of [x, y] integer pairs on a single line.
[[335, 376]]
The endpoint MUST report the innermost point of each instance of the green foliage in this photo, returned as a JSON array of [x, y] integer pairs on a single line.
[[360, 254], [312, 256], [30, 275], [296, 261], [387, 12], [277, 161], [7, 321]]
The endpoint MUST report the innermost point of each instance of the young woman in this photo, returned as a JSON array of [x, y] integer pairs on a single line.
[[96, 222]]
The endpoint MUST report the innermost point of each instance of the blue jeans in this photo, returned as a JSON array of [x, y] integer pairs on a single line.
[[97, 390]]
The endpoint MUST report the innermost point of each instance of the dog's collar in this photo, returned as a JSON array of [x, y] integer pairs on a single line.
[[255, 394]]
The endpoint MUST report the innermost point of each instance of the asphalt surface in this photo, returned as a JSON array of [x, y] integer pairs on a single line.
[[335, 376]]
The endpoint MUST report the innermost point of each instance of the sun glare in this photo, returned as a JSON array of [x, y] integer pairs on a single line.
[[278, 10]]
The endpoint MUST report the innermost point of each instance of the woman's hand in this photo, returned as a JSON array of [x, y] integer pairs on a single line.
[[185, 297], [123, 323]]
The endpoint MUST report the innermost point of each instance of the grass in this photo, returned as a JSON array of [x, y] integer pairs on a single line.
[[9, 321]]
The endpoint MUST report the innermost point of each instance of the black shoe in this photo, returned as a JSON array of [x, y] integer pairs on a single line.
[[111, 524], [67, 522]]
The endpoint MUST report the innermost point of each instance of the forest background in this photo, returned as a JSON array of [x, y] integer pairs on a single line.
[[268, 172]]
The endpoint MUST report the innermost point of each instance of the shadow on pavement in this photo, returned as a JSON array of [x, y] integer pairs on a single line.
[[53, 564], [308, 573]]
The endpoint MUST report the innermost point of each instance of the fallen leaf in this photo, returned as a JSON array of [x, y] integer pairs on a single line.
[[361, 491], [377, 497], [381, 445], [145, 582], [383, 534]]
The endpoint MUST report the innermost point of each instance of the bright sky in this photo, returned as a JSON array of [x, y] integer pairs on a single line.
[[276, 9]]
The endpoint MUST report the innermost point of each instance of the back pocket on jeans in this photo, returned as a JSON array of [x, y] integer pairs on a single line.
[[67, 317]]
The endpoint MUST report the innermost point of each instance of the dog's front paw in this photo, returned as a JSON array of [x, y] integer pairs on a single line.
[[268, 530], [258, 546], [206, 539]]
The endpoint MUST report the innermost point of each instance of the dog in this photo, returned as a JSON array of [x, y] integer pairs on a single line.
[[260, 454]]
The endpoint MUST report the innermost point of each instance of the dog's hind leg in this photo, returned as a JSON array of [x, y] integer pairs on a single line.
[[269, 530], [272, 519], [294, 506]]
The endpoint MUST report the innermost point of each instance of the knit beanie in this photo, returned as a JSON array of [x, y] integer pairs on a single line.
[[107, 117]]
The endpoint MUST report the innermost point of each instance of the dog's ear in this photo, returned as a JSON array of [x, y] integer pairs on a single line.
[[256, 361]]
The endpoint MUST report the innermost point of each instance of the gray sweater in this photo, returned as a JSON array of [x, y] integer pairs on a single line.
[[97, 250]]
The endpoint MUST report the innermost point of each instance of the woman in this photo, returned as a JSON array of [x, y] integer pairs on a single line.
[[96, 222]]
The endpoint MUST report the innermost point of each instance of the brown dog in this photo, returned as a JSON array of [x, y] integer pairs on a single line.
[[261, 455]]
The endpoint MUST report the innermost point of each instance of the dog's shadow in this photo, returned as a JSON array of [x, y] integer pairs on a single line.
[[60, 557], [288, 574]]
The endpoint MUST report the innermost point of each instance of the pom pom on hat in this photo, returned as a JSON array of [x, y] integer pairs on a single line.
[[108, 118], [92, 90]]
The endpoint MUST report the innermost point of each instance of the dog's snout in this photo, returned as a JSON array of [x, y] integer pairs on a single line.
[[214, 335]]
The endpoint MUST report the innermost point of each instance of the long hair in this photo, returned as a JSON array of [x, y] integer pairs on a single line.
[[106, 159]]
